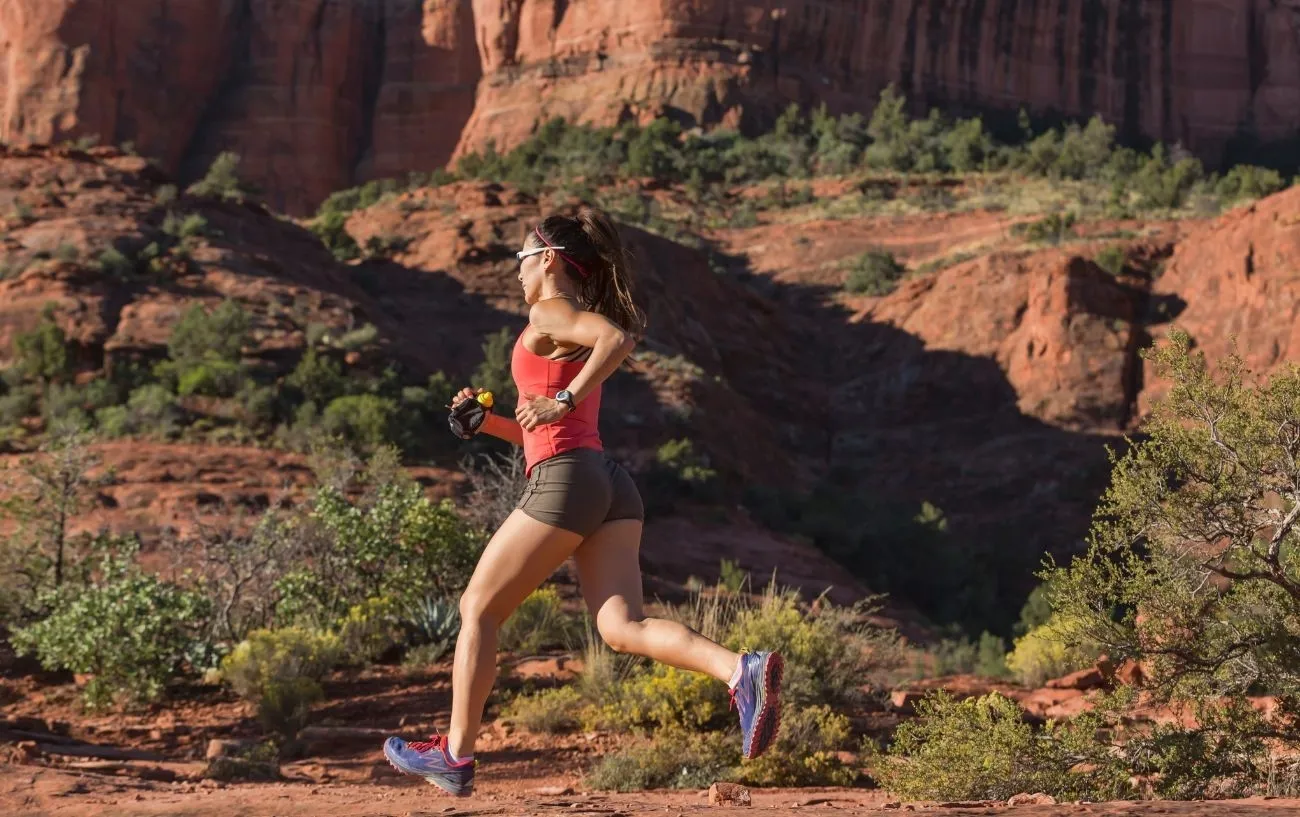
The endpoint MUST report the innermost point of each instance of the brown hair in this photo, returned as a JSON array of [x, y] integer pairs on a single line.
[[604, 274]]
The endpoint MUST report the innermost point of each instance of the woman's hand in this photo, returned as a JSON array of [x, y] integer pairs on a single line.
[[464, 394], [539, 411]]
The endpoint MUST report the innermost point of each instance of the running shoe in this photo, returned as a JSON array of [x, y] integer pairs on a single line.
[[431, 759], [757, 698]]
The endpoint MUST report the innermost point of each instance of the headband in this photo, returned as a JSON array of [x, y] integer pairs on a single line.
[[581, 270]]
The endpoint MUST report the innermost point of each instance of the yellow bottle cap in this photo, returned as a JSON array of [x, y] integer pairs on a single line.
[[484, 399]]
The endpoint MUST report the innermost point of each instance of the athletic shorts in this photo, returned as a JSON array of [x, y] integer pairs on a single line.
[[579, 491]]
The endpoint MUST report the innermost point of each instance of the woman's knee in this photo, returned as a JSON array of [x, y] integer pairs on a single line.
[[623, 635], [477, 609]]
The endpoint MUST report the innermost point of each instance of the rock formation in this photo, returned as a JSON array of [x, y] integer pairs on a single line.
[[319, 95]]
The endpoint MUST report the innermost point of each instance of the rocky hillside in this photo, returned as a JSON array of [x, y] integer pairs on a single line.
[[319, 95]]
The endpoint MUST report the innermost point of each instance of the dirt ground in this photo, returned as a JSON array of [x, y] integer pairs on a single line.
[[39, 792]]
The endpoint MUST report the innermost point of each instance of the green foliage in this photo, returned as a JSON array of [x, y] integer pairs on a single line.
[[1051, 229], [281, 671], [365, 419], [1248, 182], [493, 374], [217, 335], [393, 543], [732, 577], [549, 711], [675, 759], [42, 354], [67, 253], [1193, 559], [1112, 259], [215, 378], [193, 225], [19, 403], [875, 272], [1050, 650], [369, 630], [113, 262], [431, 625], [130, 629], [319, 377], [222, 180], [150, 411], [985, 657], [806, 751], [358, 338], [539, 622], [685, 463], [982, 748], [331, 229]]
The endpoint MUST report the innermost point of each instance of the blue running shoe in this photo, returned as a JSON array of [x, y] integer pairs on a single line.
[[431, 759], [757, 699]]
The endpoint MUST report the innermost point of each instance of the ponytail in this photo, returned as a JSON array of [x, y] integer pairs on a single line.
[[598, 261]]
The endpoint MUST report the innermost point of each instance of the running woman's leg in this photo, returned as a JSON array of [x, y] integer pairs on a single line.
[[522, 554], [609, 571]]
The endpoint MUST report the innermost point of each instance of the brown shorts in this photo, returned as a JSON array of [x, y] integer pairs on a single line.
[[579, 491]]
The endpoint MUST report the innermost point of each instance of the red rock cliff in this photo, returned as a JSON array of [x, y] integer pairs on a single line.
[[320, 94]]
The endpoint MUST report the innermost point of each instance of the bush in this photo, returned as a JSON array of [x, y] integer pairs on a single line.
[[539, 622], [319, 378], [1052, 229], [150, 410], [1112, 259], [982, 749], [358, 338], [392, 543], [366, 419], [493, 374], [1050, 651], [129, 629], [214, 378], [875, 272], [222, 180], [659, 698], [42, 354], [369, 630], [1248, 182], [281, 671], [674, 759], [549, 711], [331, 229], [431, 626], [17, 404], [200, 335], [806, 751], [114, 263]]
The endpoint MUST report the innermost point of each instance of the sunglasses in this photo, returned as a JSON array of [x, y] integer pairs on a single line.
[[522, 254]]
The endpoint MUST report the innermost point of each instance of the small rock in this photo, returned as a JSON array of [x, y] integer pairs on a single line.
[[894, 804], [554, 791], [26, 750], [720, 793], [1084, 679], [226, 748], [904, 700], [1038, 799]]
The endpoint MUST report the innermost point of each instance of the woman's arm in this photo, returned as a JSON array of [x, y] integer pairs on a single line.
[[567, 326], [503, 428]]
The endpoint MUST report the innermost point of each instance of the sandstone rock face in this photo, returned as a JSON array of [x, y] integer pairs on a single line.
[[1236, 279], [318, 95]]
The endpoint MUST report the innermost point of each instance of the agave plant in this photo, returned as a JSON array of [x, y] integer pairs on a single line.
[[431, 625]]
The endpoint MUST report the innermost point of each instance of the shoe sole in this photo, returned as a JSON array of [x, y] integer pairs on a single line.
[[432, 781], [769, 713]]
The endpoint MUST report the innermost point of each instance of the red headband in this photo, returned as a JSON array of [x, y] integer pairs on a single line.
[[556, 250]]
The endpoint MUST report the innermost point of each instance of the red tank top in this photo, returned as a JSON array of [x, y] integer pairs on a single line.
[[534, 374]]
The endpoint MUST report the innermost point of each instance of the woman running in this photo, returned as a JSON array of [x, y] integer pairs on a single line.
[[582, 321]]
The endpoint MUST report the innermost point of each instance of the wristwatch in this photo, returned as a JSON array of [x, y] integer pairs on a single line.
[[566, 397]]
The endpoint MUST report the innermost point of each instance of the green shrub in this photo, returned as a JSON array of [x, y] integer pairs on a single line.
[[192, 225], [366, 419], [369, 630], [549, 711], [113, 262], [150, 410], [985, 657], [493, 374], [319, 378], [67, 253], [42, 354], [1162, 184], [431, 626], [165, 194], [214, 378], [222, 180], [17, 404], [806, 751], [1112, 259], [393, 543], [358, 338], [982, 749], [539, 622], [674, 759], [331, 229], [257, 764], [1249, 182], [659, 698], [218, 335], [875, 272], [281, 671], [1051, 229], [1050, 651], [129, 629], [732, 577]]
